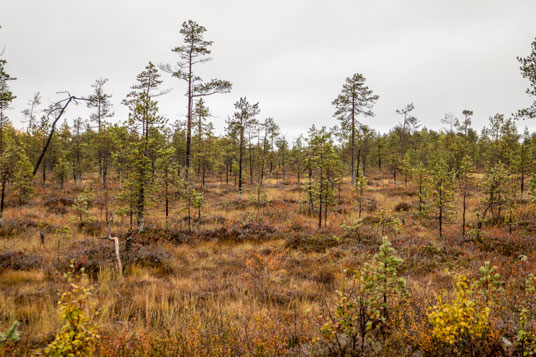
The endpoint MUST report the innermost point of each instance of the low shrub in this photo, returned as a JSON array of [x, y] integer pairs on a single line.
[[16, 260], [78, 335], [13, 226], [318, 242], [58, 201], [92, 255], [402, 206]]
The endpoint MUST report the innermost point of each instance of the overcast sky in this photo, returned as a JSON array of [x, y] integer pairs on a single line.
[[290, 56]]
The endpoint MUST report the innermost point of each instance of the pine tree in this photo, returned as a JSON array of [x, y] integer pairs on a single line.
[[195, 50], [81, 206], [532, 193], [282, 149], [528, 71], [143, 119], [62, 168], [297, 154], [167, 168], [6, 97], [409, 123], [201, 113], [360, 189], [355, 99], [420, 175], [271, 130], [251, 133], [463, 128], [14, 165], [441, 193], [384, 282], [367, 304], [30, 113], [100, 101], [324, 160], [497, 188], [23, 179], [524, 160], [243, 118], [466, 179]]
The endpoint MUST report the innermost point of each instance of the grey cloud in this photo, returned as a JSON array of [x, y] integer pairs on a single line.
[[291, 56]]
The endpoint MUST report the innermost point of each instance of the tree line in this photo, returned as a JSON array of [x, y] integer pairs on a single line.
[[146, 151]]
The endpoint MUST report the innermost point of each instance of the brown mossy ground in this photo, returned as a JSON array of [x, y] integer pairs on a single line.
[[251, 278]]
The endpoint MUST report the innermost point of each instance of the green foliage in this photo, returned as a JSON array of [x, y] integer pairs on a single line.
[[14, 165], [532, 192], [489, 284], [526, 333], [195, 50], [420, 177], [360, 190], [528, 71], [193, 199], [6, 95], [466, 174], [11, 333], [466, 178], [78, 335], [143, 144], [242, 120], [168, 170], [387, 221], [367, 304], [198, 201], [354, 100], [260, 195], [499, 190], [383, 281], [476, 229], [81, 206], [440, 193], [324, 164], [62, 168]]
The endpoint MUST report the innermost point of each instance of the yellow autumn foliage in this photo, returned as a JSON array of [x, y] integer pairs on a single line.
[[461, 320]]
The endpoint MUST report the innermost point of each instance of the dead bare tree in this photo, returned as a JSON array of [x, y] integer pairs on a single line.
[[58, 109], [116, 245]]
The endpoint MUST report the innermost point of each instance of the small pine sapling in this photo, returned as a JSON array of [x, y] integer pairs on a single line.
[[81, 206], [360, 190]]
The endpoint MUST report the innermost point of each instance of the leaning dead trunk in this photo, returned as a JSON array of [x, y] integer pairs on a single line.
[[2, 200], [116, 245]]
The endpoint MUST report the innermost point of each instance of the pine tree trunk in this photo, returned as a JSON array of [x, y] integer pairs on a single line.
[[2, 200], [352, 142], [189, 121], [240, 149], [440, 213], [463, 213], [167, 197]]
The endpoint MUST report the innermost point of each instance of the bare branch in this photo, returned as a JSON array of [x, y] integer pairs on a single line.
[[61, 111]]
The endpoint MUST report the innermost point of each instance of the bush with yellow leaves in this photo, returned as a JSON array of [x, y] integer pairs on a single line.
[[78, 335], [462, 326]]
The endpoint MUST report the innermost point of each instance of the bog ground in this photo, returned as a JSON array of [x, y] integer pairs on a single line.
[[256, 278]]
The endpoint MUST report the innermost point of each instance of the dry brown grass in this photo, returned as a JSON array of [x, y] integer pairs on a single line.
[[228, 296]]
